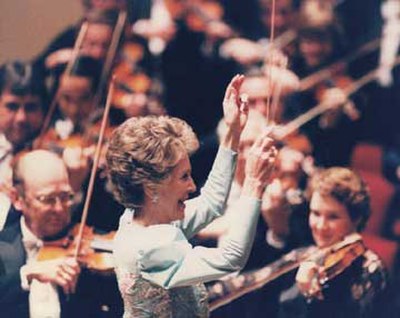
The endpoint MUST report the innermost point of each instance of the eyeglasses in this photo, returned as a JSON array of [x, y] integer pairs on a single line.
[[65, 198]]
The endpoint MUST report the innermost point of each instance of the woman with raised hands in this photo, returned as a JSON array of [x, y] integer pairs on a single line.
[[160, 274]]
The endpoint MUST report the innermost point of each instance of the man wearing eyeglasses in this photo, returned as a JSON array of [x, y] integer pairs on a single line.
[[42, 193], [30, 287]]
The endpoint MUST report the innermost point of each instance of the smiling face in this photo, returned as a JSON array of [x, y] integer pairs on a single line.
[[173, 191], [45, 196], [329, 220]]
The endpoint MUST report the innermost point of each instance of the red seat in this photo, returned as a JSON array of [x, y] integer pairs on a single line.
[[367, 157], [385, 249], [381, 192]]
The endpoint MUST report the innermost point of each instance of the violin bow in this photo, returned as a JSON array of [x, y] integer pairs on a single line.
[[119, 27], [68, 70], [226, 290], [315, 78], [96, 160], [304, 118], [269, 69], [275, 86]]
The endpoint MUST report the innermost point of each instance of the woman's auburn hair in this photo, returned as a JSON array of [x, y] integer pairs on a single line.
[[142, 152], [348, 188]]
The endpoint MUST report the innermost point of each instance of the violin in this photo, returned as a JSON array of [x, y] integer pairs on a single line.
[[198, 14], [327, 264], [332, 261], [338, 66], [86, 138], [95, 253], [321, 108]]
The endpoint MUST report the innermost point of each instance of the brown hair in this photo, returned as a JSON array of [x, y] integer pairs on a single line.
[[348, 188]]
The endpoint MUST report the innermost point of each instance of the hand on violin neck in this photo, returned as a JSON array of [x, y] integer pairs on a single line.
[[218, 30], [149, 29], [334, 98], [242, 50], [62, 272], [307, 280], [77, 160]]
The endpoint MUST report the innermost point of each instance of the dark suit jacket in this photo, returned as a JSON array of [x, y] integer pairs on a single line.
[[13, 300], [96, 296]]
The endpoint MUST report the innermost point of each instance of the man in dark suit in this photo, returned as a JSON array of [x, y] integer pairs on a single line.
[[54, 288]]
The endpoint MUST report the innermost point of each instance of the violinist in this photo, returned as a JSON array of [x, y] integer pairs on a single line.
[[334, 133], [339, 207], [96, 40], [281, 226], [260, 88], [336, 277], [104, 4], [74, 132], [251, 48], [68, 132], [22, 108], [75, 97], [51, 288]]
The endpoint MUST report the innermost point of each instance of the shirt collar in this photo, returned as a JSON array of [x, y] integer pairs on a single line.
[[29, 239], [5, 145]]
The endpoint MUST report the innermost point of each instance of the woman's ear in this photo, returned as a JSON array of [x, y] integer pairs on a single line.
[[150, 193]]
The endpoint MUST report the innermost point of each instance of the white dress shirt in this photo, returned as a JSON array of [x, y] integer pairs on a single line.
[[43, 297]]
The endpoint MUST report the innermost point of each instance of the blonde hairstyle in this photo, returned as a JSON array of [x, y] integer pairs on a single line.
[[143, 151]]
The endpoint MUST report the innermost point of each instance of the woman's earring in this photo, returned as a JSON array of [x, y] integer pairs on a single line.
[[154, 198]]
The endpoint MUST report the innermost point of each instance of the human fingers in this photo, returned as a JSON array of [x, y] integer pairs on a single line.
[[230, 88]]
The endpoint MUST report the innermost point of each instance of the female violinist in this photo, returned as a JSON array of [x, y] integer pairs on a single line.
[[339, 207], [338, 276]]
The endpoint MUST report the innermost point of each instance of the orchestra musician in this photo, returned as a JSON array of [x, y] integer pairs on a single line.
[[338, 276], [46, 288], [334, 133], [95, 43], [23, 103]]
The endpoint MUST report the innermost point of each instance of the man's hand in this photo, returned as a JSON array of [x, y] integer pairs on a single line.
[[63, 272]]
